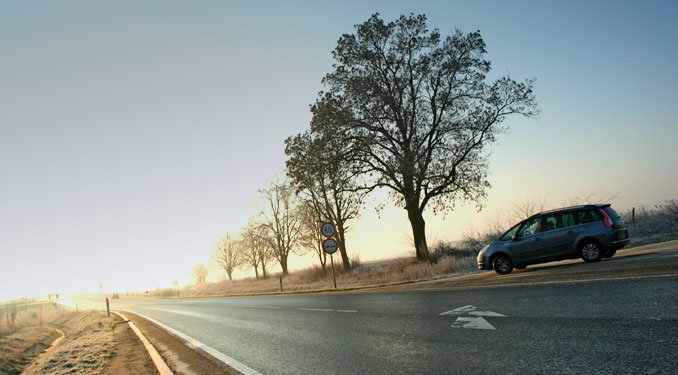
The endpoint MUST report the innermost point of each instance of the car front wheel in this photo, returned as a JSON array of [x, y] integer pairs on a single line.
[[591, 252], [502, 264]]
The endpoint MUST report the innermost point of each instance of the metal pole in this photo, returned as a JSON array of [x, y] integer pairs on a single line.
[[281, 286], [108, 307], [334, 277]]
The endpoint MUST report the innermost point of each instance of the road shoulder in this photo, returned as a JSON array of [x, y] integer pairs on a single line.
[[177, 353]]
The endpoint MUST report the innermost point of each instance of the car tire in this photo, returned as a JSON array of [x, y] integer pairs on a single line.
[[502, 264], [609, 253], [590, 251]]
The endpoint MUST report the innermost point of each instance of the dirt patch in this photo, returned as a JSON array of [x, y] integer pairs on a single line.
[[179, 356], [19, 349]]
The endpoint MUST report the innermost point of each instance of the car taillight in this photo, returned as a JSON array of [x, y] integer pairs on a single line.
[[607, 221]]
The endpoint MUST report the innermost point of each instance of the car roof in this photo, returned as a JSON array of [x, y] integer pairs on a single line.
[[570, 208]]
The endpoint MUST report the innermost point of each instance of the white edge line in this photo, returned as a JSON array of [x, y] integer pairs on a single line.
[[309, 309], [213, 352], [347, 311], [159, 363]]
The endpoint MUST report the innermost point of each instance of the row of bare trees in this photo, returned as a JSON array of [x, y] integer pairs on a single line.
[[288, 222]]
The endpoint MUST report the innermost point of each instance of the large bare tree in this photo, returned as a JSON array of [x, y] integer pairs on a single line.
[[228, 253], [419, 113], [280, 217]]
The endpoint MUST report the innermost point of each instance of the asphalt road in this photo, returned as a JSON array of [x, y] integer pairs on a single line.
[[560, 318]]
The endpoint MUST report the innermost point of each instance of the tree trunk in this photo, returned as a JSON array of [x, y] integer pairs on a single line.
[[322, 258], [263, 271], [256, 272], [341, 239], [283, 265], [419, 233], [229, 275]]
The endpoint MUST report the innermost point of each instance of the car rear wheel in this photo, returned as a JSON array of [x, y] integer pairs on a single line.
[[502, 264], [590, 252]]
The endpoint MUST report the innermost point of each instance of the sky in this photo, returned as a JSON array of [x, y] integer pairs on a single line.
[[133, 134]]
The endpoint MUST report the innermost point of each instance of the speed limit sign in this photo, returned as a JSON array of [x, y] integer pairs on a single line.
[[327, 229]]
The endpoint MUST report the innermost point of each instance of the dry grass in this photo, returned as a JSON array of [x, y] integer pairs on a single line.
[[363, 275], [15, 317]]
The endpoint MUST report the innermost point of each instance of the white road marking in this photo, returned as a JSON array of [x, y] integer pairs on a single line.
[[213, 352], [460, 310], [472, 322], [263, 307], [486, 313], [328, 310], [469, 322], [669, 256]]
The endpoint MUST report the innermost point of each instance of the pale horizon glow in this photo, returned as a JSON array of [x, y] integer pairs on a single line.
[[133, 135]]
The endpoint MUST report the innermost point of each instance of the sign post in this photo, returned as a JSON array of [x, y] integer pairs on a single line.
[[330, 245]]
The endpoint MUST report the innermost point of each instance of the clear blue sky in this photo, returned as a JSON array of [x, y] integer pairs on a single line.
[[132, 134]]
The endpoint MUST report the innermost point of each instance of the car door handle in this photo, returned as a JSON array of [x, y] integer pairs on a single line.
[[570, 232], [537, 239]]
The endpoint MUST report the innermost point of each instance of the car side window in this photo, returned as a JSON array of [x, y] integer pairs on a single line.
[[530, 227], [550, 223], [586, 216], [566, 220]]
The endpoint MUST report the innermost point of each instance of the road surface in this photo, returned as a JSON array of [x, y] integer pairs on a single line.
[[560, 318]]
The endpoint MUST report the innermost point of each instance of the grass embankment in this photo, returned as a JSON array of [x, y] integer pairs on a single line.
[[315, 279], [87, 341]]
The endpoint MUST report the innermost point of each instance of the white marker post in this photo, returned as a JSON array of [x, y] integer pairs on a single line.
[[330, 245]]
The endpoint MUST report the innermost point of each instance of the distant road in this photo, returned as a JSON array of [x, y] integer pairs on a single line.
[[559, 318]]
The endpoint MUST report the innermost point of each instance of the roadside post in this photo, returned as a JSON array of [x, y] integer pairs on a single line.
[[330, 245], [108, 307]]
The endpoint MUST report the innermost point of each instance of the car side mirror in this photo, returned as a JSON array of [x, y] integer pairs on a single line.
[[516, 237]]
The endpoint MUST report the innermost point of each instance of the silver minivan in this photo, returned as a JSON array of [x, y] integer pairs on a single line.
[[590, 232]]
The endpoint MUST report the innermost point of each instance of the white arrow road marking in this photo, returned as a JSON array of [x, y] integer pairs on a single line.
[[460, 310], [486, 313], [470, 322]]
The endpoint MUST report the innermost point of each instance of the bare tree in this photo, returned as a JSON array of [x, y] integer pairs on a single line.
[[311, 237], [199, 272], [228, 254], [256, 249], [419, 113], [280, 218], [327, 182]]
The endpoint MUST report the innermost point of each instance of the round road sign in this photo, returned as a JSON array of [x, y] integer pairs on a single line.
[[330, 245], [327, 229]]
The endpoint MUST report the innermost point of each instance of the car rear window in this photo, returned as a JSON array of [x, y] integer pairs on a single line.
[[611, 213]]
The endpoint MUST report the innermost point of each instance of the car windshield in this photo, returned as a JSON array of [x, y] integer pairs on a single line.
[[509, 234]]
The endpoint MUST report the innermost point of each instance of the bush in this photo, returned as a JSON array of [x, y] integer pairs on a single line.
[[653, 225], [469, 246]]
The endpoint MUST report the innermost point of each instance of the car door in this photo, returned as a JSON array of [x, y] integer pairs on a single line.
[[558, 235], [526, 246]]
